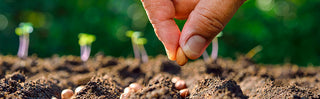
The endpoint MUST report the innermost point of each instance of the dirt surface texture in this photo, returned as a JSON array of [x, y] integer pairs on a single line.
[[107, 77]]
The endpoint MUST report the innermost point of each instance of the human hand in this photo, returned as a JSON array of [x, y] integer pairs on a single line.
[[205, 19]]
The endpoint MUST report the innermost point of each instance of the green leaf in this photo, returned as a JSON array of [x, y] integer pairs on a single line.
[[129, 33], [220, 34], [141, 41], [24, 28], [86, 39], [136, 34], [18, 31]]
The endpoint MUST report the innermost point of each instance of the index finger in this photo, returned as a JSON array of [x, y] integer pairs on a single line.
[[161, 14]]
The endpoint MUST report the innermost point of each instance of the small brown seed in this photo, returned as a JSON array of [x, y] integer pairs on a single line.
[[66, 94], [181, 57], [181, 84], [128, 90], [175, 79], [78, 89], [135, 86], [184, 93], [124, 96]]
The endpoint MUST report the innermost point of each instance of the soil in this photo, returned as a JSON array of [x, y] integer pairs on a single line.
[[106, 77]]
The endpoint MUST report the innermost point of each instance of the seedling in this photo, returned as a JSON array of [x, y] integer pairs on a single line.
[[141, 42], [214, 52], [138, 45], [23, 32], [85, 41]]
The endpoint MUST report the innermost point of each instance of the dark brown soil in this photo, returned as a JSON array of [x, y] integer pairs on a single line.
[[159, 87], [14, 86], [100, 88], [106, 77]]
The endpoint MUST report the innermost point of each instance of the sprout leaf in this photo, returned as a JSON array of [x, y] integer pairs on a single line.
[[220, 34], [141, 41], [86, 39], [19, 31], [24, 28], [129, 33]]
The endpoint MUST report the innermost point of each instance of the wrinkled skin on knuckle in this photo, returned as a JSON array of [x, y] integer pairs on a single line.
[[210, 24]]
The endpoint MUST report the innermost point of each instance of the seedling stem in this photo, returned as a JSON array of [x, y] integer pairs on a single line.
[[214, 52], [138, 45], [85, 41], [23, 32]]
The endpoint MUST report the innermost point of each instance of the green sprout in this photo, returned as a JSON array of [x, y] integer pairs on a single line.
[[85, 41], [214, 52], [23, 32], [138, 45]]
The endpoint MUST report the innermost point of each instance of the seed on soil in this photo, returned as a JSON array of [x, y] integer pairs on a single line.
[[128, 90], [126, 93], [66, 94], [135, 86], [184, 93], [124, 96], [78, 89], [175, 79], [181, 57], [181, 84]]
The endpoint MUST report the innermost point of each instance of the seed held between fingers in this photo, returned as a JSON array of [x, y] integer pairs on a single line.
[[66, 94], [181, 57], [184, 93]]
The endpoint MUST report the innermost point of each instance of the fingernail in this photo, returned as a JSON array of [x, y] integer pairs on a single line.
[[194, 46]]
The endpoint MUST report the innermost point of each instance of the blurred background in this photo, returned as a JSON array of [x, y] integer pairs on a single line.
[[287, 30]]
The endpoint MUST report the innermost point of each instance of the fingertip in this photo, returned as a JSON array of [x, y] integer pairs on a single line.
[[161, 14], [171, 55], [168, 33]]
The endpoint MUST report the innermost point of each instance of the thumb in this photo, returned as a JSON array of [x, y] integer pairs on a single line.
[[207, 19]]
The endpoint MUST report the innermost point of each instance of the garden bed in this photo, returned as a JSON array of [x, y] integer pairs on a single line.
[[107, 77]]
